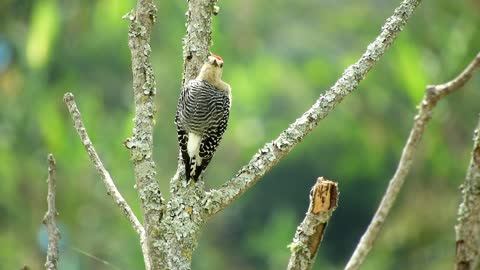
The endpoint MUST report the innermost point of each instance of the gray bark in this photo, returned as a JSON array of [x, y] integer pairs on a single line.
[[197, 41], [141, 143]]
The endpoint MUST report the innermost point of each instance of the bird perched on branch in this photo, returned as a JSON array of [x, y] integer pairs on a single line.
[[202, 116]]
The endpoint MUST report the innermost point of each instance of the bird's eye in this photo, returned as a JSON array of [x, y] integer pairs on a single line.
[[221, 65]]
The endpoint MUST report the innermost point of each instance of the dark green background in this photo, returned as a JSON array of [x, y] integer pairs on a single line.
[[279, 57]]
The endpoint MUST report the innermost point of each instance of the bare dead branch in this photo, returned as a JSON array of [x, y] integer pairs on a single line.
[[271, 153], [141, 143], [467, 230], [309, 234], [104, 174], [433, 94], [50, 216]]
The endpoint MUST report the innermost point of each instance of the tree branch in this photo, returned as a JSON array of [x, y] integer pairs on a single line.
[[309, 234], [106, 178], [141, 143], [467, 230], [198, 39], [49, 218], [433, 94], [272, 152]]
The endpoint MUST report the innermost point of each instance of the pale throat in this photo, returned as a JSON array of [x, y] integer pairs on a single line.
[[214, 77]]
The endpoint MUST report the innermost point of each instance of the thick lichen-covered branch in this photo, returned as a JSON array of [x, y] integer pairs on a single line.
[[309, 234], [432, 96], [272, 152], [198, 39], [141, 143], [468, 226], [49, 218], [184, 215], [104, 174]]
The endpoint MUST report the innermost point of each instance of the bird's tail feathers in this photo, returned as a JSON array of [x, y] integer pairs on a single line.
[[193, 167]]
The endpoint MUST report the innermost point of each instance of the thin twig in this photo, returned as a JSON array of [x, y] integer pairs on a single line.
[[106, 178], [49, 218], [141, 143], [309, 234], [467, 231], [433, 94], [271, 153], [95, 258]]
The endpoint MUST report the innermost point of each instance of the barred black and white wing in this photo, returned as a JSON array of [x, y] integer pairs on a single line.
[[202, 118]]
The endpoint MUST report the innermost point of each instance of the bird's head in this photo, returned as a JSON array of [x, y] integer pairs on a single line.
[[212, 69], [215, 61]]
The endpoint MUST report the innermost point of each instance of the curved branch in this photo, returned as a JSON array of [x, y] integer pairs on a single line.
[[271, 153], [106, 178], [433, 94]]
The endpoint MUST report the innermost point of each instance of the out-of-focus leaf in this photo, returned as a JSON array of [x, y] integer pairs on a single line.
[[408, 68], [51, 125], [272, 240], [45, 24]]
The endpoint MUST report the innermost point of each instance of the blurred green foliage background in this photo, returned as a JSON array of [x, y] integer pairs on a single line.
[[279, 57]]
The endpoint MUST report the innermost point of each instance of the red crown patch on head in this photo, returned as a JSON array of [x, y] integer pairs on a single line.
[[218, 57]]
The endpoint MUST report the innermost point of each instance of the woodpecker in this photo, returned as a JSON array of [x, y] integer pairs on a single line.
[[202, 116]]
